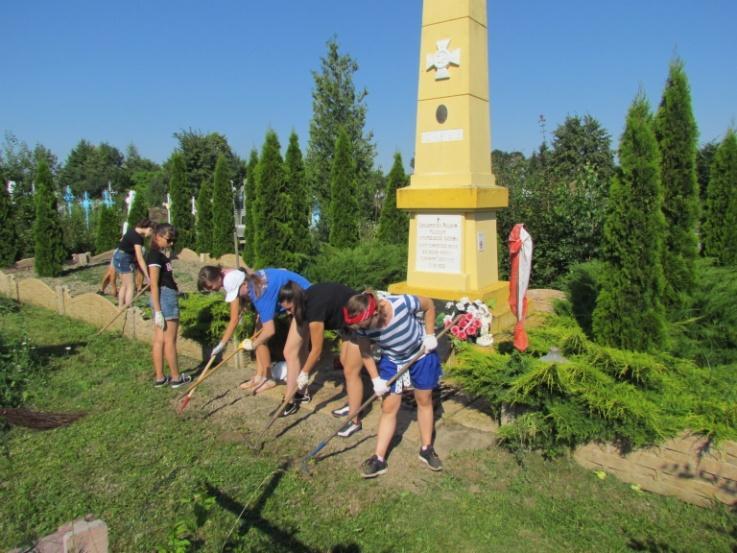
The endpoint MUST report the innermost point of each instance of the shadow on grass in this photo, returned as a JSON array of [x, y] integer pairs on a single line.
[[249, 516]]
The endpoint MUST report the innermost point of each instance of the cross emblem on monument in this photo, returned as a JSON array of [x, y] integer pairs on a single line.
[[442, 59]]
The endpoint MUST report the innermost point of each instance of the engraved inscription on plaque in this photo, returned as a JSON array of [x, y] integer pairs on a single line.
[[439, 242]]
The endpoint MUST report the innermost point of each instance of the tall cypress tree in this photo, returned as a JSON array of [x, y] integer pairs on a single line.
[[8, 235], [107, 229], [47, 231], [675, 130], [393, 223], [720, 221], [139, 209], [181, 203], [294, 170], [223, 219], [250, 198], [629, 313], [343, 202], [204, 217], [274, 238]]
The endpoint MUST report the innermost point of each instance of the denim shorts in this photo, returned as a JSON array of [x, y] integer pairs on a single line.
[[123, 262], [169, 303]]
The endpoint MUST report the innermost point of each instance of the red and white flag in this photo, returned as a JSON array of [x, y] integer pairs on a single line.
[[520, 251]]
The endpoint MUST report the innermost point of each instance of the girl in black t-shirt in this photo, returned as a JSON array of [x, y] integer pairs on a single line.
[[315, 310], [165, 307], [129, 255]]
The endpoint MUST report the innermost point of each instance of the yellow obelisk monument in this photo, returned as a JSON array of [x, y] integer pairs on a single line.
[[452, 197]]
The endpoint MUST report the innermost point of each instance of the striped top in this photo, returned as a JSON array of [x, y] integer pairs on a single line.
[[402, 337]]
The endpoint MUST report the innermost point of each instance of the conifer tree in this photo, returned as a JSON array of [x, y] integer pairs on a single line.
[[8, 235], [107, 229], [343, 202], [296, 183], [675, 129], [223, 219], [204, 217], [47, 231], [629, 313], [181, 203], [720, 222], [250, 198], [274, 238], [138, 209], [393, 223]]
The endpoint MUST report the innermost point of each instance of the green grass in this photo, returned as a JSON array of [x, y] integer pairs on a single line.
[[165, 483]]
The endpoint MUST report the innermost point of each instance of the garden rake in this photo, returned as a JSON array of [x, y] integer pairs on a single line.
[[121, 311]]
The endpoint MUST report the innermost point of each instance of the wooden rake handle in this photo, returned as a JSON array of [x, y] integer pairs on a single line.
[[120, 312]]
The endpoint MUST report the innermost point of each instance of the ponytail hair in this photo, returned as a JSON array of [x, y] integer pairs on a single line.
[[145, 223], [255, 280], [294, 293]]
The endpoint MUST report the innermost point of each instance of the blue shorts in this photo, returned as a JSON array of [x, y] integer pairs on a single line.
[[424, 373], [169, 303], [123, 262]]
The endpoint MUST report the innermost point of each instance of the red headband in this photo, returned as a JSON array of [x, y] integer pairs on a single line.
[[363, 315]]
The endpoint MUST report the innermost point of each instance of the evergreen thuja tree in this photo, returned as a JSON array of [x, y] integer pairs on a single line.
[[138, 209], [8, 235], [47, 231], [675, 130], [107, 229], [393, 223], [204, 217], [629, 313], [294, 173], [181, 203], [274, 238], [343, 203], [720, 221], [223, 219], [250, 199]]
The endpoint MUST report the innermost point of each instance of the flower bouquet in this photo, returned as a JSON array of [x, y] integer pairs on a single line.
[[474, 324]]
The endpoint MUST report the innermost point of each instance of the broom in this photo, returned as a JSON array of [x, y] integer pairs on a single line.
[[38, 420]]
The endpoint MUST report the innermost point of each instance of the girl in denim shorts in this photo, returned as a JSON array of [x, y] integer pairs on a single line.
[[129, 255], [165, 306]]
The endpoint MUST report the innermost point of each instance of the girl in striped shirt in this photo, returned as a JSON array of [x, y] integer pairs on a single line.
[[392, 323]]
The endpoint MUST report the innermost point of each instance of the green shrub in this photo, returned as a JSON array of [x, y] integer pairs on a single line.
[[204, 317], [16, 367], [368, 265], [582, 284]]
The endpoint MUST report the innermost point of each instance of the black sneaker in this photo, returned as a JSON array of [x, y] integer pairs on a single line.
[[160, 383], [372, 467], [349, 429], [341, 411], [302, 396], [431, 458], [183, 379], [290, 409]]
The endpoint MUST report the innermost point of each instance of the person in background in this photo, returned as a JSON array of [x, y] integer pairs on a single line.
[[127, 256], [165, 307]]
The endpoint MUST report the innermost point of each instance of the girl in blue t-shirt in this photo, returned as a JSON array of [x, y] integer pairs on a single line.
[[392, 323], [261, 288]]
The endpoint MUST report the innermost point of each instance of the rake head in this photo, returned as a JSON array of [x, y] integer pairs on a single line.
[[183, 404]]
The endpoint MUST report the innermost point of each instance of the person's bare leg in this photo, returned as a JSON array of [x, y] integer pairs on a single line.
[[170, 348], [387, 423], [125, 294], [157, 353], [425, 420], [350, 358]]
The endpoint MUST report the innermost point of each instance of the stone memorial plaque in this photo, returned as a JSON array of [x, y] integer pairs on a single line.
[[439, 242]]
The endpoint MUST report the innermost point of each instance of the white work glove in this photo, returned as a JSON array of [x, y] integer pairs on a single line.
[[217, 350], [429, 343], [159, 320], [380, 387], [303, 379], [247, 344]]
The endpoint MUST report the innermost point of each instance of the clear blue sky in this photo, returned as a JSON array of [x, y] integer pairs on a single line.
[[140, 70]]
